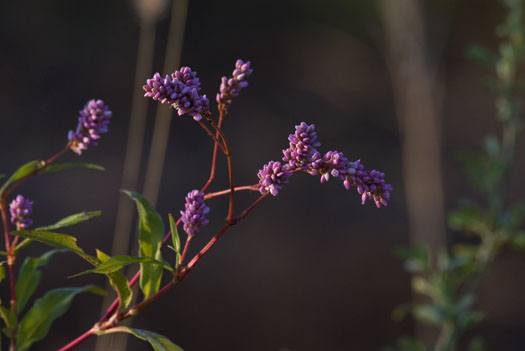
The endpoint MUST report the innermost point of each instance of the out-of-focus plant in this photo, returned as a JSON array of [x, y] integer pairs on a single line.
[[450, 280], [181, 91]]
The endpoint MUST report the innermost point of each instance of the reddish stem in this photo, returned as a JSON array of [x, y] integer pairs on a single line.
[[214, 157], [35, 172], [185, 250], [77, 341], [213, 240], [230, 166], [201, 123], [227, 191], [137, 308]]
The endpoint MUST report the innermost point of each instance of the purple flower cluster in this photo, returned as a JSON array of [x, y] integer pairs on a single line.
[[21, 209], [231, 87], [193, 216], [302, 150], [181, 91], [370, 185], [273, 176], [93, 121], [302, 155]]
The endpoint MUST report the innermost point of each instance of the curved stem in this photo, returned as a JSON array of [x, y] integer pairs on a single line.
[[35, 172], [185, 250], [230, 167], [209, 132], [214, 157], [100, 325], [77, 341], [227, 191]]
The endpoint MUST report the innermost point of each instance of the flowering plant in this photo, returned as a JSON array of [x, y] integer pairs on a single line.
[[181, 91]]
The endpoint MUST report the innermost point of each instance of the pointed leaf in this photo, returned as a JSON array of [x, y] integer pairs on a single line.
[[36, 323], [4, 314], [22, 172], [61, 241], [29, 277], [2, 272], [174, 234], [71, 220], [157, 341], [63, 166], [102, 256], [151, 232], [115, 263], [120, 283], [175, 239]]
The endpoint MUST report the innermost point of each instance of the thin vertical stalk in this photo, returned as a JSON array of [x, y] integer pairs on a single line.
[[415, 90], [163, 117]]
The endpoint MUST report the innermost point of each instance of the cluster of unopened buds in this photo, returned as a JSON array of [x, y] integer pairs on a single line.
[[302, 155]]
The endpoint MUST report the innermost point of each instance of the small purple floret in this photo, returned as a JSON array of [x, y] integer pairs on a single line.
[[273, 176], [303, 144], [93, 121], [370, 185], [193, 216], [231, 87], [181, 91], [21, 209], [303, 155]]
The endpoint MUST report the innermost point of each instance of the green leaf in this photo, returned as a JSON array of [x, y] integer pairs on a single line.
[[120, 283], [6, 317], [157, 341], [63, 166], [61, 241], [29, 277], [481, 55], [175, 239], [22, 172], [517, 240], [115, 263], [416, 258], [477, 344], [71, 220], [409, 344], [151, 232], [430, 314], [174, 234], [2, 272], [36, 323], [102, 256], [469, 218]]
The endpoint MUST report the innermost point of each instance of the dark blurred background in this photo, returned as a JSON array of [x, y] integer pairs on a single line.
[[312, 269]]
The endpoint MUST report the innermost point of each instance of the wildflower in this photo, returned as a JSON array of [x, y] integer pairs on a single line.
[[181, 91], [231, 87], [370, 185], [193, 216], [302, 150], [333, 163], [273, 176], [21, 209], [93, 121]]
